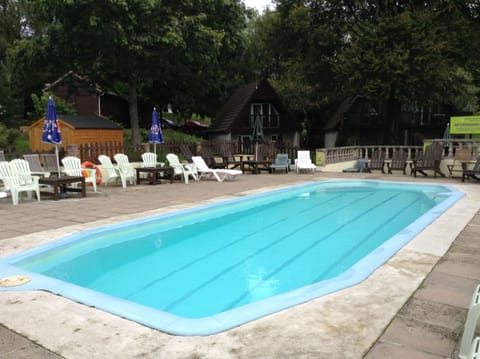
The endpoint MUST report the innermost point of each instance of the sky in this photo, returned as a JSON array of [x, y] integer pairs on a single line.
[[258, 4]]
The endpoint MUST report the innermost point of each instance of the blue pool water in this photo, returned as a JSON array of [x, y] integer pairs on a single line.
[[210, 268]]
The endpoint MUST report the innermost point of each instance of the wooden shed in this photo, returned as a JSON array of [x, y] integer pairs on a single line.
[[77, 130]]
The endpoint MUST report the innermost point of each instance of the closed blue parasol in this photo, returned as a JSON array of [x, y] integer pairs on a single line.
[[51, 129], [257, 135], [156, 135]]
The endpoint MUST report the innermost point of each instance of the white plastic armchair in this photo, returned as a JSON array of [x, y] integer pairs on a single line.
[[73, 167], [113, 173], [126, 170], [182, 169], [149, 159], [17, 178], [303, 162]]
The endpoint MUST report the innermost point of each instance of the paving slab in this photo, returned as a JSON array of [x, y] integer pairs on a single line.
[[447, 289], [383, 350], [420, 336], [433, 313]]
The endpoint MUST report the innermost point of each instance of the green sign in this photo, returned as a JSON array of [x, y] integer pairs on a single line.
[[465, 125]]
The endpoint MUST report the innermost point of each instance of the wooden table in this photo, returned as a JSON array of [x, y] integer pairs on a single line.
[[155, 174], [60, 185], [255, 166]]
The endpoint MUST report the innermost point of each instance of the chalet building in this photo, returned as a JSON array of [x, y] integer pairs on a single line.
[[236, 118], [89, 99], [359, 122]]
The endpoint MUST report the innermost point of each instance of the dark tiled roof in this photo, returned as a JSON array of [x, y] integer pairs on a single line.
[[89, 122], [232, 108]]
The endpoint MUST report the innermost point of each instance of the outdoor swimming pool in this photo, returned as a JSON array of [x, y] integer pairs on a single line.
[[211, 268]]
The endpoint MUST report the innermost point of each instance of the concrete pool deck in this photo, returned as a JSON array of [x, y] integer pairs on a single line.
[[413, 306]]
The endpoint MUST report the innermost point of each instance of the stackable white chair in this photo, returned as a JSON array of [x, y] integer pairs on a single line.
[[126, 170], [303, 162], [149, 159], [17, 178], [469, 347], [113, 173], [182, 169], [73, 167]]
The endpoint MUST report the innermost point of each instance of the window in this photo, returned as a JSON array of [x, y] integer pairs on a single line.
[[268, 112]]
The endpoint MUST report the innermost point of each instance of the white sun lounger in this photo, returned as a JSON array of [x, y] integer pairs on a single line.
[[220, 174]]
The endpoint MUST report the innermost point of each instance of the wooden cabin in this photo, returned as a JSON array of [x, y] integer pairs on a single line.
[[88, 98], [76, 130], [234, 121]]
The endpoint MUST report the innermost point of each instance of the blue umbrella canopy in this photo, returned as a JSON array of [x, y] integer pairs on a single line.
[[51, 128], [156, 135]]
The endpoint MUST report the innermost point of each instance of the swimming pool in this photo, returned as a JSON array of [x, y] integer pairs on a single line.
[[274, 257]]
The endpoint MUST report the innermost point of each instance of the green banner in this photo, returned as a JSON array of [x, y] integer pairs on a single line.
[[465, 125]]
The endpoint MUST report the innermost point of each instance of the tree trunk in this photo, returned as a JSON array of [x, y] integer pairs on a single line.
[[392, 116], [133, 110]]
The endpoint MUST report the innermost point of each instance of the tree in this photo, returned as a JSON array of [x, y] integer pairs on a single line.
[[404, 52], [303, 38], [134, 46]]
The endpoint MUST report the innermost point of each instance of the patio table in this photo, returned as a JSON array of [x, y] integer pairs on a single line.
[[155, 174], [61, 184]]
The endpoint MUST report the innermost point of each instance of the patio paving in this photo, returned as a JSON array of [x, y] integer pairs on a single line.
[[413, 306]]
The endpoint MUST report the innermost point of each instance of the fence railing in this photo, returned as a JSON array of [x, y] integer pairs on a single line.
[[350, 153], [90, 152]]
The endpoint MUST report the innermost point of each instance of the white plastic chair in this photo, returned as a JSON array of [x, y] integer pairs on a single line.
[[468, 346], [219, 173], [113, 173], [303, 162], [149, 159], [182, 169], [126, 170], [17, 178], [73, 167]]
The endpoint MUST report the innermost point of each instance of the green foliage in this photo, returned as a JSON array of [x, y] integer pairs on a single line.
[[40, 106], [12, 140], [172, 136], [21, 142], [4, 136]]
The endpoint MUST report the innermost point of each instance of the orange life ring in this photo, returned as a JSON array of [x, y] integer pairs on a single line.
[[98, 173]]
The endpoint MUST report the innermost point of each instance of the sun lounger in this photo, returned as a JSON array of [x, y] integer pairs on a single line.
[[471, 172], [430, 161], [359, 166], [228, 157], [281, 162], [377, 162], [36, 167], [207, 154], [220, 174], [398, 163], [461, 158]]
